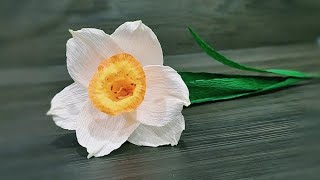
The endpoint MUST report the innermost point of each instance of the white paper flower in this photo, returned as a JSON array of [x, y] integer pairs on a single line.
[[121, 91]]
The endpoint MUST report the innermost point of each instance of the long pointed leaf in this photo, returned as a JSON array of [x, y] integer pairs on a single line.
[[204, 87], [214, 54]]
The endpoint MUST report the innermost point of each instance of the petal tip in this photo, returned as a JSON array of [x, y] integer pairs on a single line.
[[174, 144], [71, 31], [138, 21], [135, 25], [89, 156], [48, 113], [187, 103]]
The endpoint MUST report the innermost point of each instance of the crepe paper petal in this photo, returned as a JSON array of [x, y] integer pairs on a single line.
[[67, 104], [204, 87], [165, 96], [222, 59], [153, 136], [106, 67], [162, 91], [140, 41], [85, 51], [101, 133]]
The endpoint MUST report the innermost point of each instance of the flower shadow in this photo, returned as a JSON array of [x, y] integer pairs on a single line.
[[69, 141]]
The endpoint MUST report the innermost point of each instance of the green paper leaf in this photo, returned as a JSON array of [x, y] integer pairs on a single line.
[[204, 87], [214, 54]]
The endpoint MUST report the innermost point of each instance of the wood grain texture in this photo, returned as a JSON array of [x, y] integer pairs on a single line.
[[271, 136], [34, 32]]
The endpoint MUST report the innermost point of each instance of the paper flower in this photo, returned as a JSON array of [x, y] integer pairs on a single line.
[[121, 91]]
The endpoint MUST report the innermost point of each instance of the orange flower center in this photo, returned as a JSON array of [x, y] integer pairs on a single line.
[[119, 85]]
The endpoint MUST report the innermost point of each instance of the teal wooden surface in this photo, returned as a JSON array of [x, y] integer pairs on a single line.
[[34, 33], [271, 136]]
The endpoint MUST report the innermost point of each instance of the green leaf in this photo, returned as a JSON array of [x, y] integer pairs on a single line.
[[214, 54], [204, 87]]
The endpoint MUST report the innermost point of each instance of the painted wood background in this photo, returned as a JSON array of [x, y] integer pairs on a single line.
[[34, 32], [270, 136]]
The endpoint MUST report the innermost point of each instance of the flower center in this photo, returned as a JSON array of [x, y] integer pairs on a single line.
[[119, 85]]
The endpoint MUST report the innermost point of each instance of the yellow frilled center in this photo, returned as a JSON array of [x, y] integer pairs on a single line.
[[119, 85]]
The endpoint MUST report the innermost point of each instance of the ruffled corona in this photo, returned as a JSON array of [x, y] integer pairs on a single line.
[[119, 85]]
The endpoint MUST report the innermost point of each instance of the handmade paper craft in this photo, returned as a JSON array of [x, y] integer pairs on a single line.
[[123, 92]]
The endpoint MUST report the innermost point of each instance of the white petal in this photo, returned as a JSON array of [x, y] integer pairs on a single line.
[[101, 133], [85, 51], [139, 40], [67, 104], [157, 136], [166, 94]]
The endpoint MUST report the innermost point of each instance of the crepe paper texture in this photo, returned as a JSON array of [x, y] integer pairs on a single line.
[[123, 92], [215, 55], [204, 87]]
